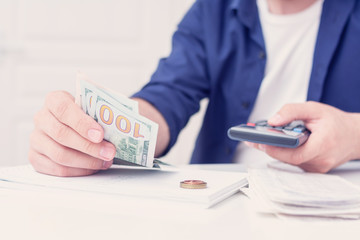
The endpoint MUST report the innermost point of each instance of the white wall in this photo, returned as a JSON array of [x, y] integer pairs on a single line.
[[43, 43]]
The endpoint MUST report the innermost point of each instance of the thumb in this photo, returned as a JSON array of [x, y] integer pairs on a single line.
[[296, 111]]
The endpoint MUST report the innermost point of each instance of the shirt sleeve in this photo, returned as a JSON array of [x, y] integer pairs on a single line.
[[181, 80]]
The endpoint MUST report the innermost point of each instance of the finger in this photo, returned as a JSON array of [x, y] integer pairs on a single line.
[[286, 155], [305, 153], [67, 112], [250, 144], [66, 136], [260, 147], [297, 111], [65, 156], [43, 164], [316, 166], [279, 153]]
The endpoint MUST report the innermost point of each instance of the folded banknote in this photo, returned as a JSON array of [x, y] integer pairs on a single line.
[[133, 135]]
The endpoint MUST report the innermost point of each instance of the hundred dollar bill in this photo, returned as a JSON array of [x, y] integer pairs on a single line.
[[82, 81], [133, 135]]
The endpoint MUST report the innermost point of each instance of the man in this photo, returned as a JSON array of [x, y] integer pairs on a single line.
[[298, 58]]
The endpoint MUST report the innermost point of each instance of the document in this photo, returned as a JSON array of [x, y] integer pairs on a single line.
[[140, 183], [304, 194]]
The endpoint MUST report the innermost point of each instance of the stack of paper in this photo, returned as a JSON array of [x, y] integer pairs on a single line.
[[139, 183], [304, 194]]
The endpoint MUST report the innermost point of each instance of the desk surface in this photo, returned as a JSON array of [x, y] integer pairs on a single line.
[[56, 215]]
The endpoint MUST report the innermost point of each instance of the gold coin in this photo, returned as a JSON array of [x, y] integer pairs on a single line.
[[193, 184]]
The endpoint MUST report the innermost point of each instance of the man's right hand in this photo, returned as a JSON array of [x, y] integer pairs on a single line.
[[66, 141]]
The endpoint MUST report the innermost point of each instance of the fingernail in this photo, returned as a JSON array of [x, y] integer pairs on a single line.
[[95, 135], [107, 164], [250, 144], [275, 119], [107, 153]]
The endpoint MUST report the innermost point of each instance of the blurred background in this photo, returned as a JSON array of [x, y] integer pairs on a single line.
[[43, 43]]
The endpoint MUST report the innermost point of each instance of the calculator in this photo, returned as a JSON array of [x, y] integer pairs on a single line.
[[291, 135]]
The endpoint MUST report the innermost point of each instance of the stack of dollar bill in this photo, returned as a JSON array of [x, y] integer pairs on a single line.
[[133, 135]]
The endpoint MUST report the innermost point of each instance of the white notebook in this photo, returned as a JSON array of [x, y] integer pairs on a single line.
[[140, 183]]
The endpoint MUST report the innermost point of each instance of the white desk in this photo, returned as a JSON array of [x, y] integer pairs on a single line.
[[60, 215]]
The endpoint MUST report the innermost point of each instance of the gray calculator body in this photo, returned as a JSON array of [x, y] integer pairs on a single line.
[[290, 136]]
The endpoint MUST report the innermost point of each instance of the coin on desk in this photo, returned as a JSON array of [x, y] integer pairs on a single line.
[[193, 184]]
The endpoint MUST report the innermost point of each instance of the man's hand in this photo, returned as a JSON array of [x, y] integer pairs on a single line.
[[66, 141], [334, 138]]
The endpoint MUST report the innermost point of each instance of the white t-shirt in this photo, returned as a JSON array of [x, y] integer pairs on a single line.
[[290, 43]]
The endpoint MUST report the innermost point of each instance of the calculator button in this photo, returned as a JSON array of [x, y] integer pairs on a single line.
[[296, 123], [292, 133], [262, 123], [299, 129]]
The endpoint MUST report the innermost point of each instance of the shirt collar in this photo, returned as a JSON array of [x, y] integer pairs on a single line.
[[246, 11], [234, 6]]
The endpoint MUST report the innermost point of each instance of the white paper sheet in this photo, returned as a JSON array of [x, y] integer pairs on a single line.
[[304, 194]]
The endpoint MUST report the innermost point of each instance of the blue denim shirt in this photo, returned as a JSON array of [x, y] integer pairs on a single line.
[[219, 53]]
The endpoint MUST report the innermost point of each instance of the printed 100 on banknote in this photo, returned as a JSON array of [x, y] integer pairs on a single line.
[[133, 135]]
